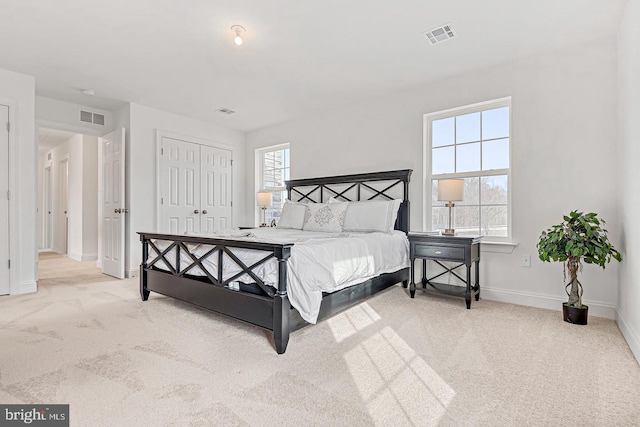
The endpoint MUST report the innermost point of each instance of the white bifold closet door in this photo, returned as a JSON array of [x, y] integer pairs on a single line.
[[195, 193]]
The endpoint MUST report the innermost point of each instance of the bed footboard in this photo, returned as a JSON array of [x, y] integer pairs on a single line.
[[270, 309]]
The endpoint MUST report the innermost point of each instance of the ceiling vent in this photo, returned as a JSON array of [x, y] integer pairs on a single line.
[[93, 118], [440, 34], [225, 110]]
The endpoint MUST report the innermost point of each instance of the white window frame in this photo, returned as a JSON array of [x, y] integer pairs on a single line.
[[428, 175], [260, 174]]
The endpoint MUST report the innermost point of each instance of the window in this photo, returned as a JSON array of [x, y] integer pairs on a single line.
[[472, 143], [274, 171]]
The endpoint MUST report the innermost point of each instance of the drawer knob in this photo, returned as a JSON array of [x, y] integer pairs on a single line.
[[438, 252]]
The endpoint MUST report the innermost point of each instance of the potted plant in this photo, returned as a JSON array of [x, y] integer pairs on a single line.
[[580, 237]]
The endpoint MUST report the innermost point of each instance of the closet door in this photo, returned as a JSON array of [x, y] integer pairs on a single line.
[[215, 201], [180, 186]]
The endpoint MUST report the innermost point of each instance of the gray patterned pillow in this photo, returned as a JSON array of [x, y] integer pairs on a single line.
[[328, 217]]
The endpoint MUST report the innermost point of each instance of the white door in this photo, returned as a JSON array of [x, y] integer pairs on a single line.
[[112, 149], [47, 209], [195, 187], [4, 200], [180, 186], [215, 200], [63, 207]]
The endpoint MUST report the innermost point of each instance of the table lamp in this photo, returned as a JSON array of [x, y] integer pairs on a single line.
[[265, 200], [450, 190]]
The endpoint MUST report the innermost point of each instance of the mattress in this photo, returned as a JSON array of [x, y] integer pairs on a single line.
[[320, 262]]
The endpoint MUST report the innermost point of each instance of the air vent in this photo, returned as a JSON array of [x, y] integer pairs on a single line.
[[225, 110], [93, 118], [440, 34]]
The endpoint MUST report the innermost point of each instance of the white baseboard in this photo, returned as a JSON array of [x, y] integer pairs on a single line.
[[28, 287], [132, 273], [598, 309], [632, 337], [82, 257], [89, 257], [45, 250]]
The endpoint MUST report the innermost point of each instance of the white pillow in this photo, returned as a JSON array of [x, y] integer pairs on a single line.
[[292, 216], [372, 215], [327, 217]]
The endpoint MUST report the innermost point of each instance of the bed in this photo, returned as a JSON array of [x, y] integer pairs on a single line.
[[256, 271]]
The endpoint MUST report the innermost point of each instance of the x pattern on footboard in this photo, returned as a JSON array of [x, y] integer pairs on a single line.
[[225, 251], [217, 278]]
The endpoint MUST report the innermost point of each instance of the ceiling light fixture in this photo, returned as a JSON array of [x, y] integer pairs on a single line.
[[239, 29]]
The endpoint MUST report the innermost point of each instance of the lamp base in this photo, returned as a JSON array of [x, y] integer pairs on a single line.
[[448, 232]]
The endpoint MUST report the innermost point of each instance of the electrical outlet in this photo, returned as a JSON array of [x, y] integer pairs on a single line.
[[525, 261]]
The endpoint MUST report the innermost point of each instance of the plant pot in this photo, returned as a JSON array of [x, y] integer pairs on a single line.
[[575, 315]]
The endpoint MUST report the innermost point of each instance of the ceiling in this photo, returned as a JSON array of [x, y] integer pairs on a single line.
[[299, 57], [48, 139]]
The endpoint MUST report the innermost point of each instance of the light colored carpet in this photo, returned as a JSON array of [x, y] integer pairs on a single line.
[[89, 341]]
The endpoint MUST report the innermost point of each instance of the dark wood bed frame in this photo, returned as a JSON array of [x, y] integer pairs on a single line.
[[263, 305]]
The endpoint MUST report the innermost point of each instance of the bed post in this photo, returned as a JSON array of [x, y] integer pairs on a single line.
[[281, 306], [144, 292]]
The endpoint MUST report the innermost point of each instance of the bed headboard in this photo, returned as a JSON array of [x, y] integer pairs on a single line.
[[387, 185]]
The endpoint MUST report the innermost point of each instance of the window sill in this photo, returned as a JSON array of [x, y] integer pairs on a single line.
[[498, 247]]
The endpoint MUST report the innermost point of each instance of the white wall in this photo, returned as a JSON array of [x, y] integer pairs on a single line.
[[18, 91], [62, 115], [564, 126], [141, 168], [89, 198], [629, 94]]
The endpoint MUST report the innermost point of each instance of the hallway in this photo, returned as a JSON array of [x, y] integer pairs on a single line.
[[56, 269]]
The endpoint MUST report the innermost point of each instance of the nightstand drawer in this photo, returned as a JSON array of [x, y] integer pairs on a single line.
[[435, 251]]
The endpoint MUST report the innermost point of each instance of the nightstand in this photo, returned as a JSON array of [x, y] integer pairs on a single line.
[[458, 250]]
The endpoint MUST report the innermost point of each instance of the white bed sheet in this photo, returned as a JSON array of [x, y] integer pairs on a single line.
[[320, 262]]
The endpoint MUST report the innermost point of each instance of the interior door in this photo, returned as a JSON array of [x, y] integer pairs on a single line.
[[112, 149], [5, 286], [63, 208], [215, 200], [180, 187], [48, 225]]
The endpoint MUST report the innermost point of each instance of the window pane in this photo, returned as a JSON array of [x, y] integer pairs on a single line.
[[468, 128], [494, 190], [286, 158], [495, 154], [468, 157], [442, 132], [494, 221], [439, 218], [434, 193], [471, 192], [442, 161], [466, 220], [495, 123]]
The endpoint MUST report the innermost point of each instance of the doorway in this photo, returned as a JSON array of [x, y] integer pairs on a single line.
[[67, 197]]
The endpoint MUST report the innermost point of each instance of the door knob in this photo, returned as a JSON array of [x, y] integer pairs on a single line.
[[117, 211], [196, 211], [204, 212]]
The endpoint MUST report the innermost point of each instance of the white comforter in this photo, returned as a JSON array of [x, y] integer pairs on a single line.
[[320, 262]]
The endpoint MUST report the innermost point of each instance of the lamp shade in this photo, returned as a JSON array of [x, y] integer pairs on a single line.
[[265, 199], [450, 190]]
